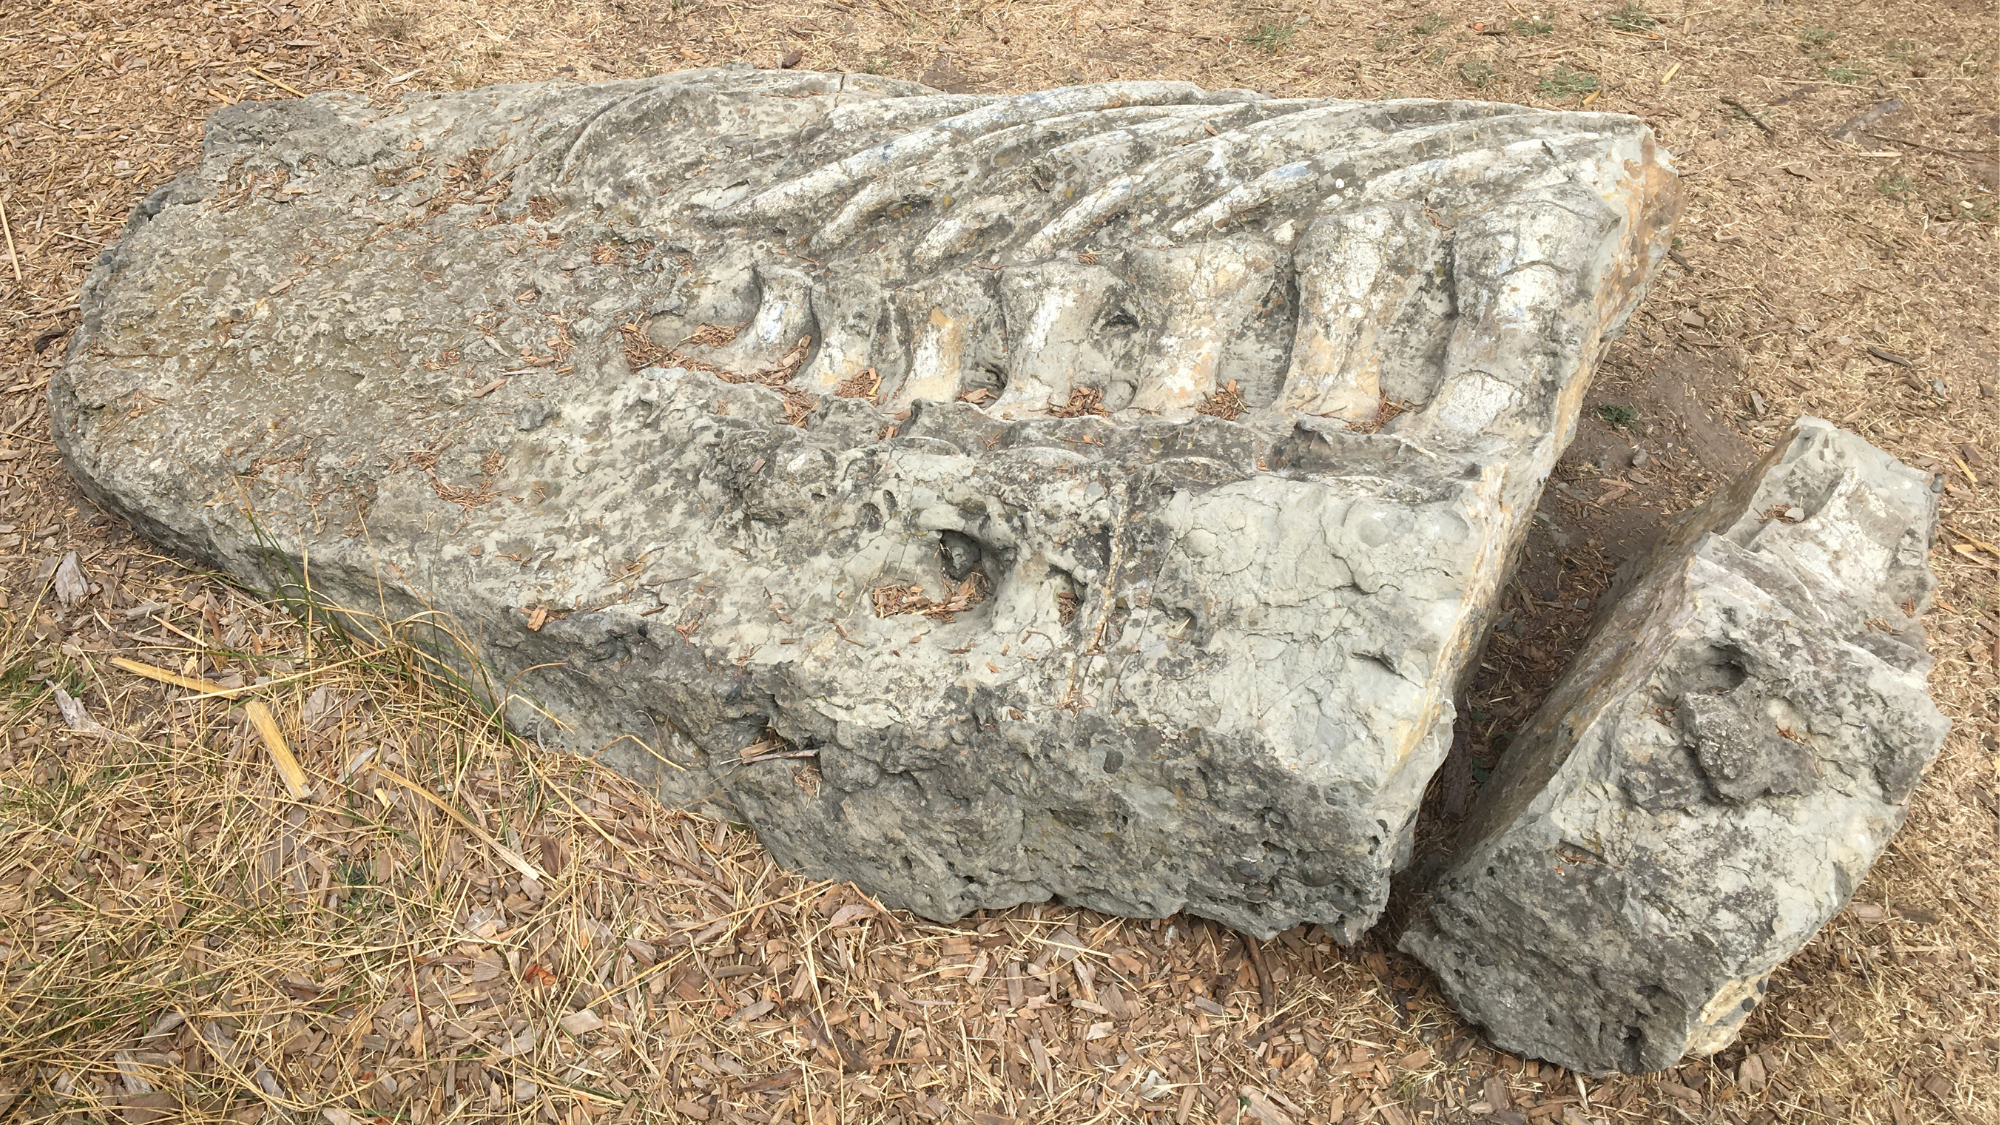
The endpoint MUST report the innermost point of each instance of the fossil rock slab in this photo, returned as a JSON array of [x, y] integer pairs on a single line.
[[1713, 776], [1095, 493]]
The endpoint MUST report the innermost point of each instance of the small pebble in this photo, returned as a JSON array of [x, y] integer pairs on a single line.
[[1795, 514], [1639, 458]]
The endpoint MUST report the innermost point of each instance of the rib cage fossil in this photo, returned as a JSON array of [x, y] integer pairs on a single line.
[[1149, 241], [1206, 662]]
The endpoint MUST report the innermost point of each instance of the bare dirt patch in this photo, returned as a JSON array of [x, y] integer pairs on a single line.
[[182, 940]]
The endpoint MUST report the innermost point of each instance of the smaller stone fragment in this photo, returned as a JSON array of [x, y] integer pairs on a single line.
[[1713, 776]]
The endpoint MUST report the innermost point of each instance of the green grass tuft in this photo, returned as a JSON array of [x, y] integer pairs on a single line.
[[1270, 38], [1562, 82], [1620, 416], [1632, 17]]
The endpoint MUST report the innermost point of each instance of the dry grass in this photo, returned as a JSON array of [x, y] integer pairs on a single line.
[[183, 939]]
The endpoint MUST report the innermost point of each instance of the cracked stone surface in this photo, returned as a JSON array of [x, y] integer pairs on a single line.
[[1712, 778], [1094, 493]]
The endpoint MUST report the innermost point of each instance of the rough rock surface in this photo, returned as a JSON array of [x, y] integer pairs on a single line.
[[1713, 776], [1095, 493]]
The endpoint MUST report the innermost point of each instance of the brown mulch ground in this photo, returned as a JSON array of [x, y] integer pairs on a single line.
[[181, 938]]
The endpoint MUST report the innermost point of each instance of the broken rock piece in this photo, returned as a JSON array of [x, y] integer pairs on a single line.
[[1093, 493], [1713, 776]]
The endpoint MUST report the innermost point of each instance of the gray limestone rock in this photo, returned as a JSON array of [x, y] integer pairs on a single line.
[[1713, 776], [1095, 493]]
